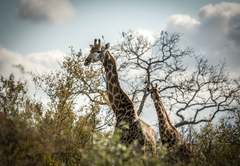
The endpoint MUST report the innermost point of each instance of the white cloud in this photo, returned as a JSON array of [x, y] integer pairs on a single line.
[[86, 51], [221, 18], [53, 11], [147, 33], [35, 62], [184, 21], [41, 62], [216, 34]]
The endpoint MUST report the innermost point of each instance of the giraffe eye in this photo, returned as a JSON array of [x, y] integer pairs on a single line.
[[98, 51]]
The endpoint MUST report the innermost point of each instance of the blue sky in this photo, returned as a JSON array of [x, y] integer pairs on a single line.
[[36, 33], [90, 19]]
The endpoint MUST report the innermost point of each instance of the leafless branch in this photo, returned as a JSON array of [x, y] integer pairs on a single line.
[[206, 88]]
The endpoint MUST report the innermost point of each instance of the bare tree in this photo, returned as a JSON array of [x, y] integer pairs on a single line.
[[206, 88]]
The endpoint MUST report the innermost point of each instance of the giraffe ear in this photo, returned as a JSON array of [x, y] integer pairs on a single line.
[[91, 45], [107, 46]]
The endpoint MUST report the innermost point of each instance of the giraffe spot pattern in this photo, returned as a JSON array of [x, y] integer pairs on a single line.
[[160, 116], [136, 126], [118, 97], [116, 90], [109, 61], [122, 105], [129, 107], [110, 67], [113, 107], [116, 103], [110, 87], [161, 121], [169, 134], [114, 72], [109, 75], [106, 70], [114, 79], [110, 96], [124, 111]]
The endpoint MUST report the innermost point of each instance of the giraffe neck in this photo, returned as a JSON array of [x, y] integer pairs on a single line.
[[168, 132], [121, 104]]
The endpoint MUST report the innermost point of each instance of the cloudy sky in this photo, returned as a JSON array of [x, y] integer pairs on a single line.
[[36, 33]]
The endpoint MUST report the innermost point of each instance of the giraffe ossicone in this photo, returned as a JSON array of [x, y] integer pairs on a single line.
[[137, 130]]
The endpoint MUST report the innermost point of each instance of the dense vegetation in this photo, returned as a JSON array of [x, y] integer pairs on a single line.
[[69, 128]]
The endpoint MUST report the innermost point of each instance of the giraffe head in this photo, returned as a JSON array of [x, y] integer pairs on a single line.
[[96, 53], [154, 92]]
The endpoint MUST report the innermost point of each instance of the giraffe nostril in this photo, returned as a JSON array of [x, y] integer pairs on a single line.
[[87, 61]]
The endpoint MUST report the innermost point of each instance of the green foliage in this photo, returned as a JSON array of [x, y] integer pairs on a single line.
[[221, 143], [67, 130], [109, 151], [12, 95], [50, 133]]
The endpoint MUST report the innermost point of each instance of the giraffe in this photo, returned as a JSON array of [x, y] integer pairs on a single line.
[[132, 128], [168, 133]]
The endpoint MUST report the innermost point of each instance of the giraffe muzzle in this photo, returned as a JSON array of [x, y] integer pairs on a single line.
[[87, 61]]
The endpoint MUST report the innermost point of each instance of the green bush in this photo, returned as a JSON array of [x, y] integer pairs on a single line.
[[221, 142], [60, 133]]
